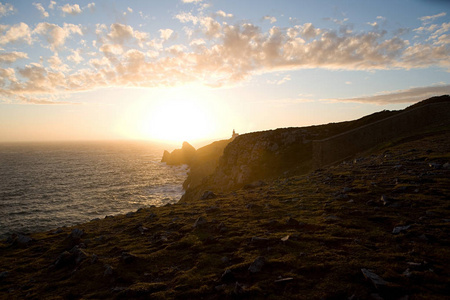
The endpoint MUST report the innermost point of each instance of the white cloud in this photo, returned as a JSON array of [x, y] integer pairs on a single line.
[[15, 33], [56, 35], [91, 6], [6, 9], [11, 57], [165, 34], [191, 1], [71, 9], [411, 95], [75, 56], [41, 9], [270, 19], [427, 19], [223, 14], [52, 5]]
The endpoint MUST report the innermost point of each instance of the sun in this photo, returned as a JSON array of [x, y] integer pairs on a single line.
[[183, 115]]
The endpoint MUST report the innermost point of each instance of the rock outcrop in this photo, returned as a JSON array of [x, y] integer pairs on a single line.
[[184, 156]]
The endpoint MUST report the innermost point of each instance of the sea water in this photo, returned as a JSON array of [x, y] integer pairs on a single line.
[[48, 185]]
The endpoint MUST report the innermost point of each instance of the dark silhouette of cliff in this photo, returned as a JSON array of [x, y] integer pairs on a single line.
[[289, 151]]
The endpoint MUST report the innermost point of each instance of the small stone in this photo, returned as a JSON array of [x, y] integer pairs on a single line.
[[259, 240], [76, 233], [407, 273], [446, 166], [4, 275], [108, 270], [284, 239], [220, 287], [208, 195], [385, 200], [142, 229], [399, 229], [63, 259], [374, 278], [94, 259], [225, 260], [332, 218], [292, 222], [127, 257], [199, 222], [281, 280], [257, 264], [23, 239], [227, 276], [435, 165], [346, 190], [130, 214]]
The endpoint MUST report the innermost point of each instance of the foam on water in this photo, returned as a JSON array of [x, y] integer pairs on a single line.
[[47, 185]]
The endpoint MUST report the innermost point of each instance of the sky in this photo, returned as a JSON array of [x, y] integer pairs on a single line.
[[194, 70]]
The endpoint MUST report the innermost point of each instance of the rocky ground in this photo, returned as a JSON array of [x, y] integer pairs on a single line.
[[376, 227]]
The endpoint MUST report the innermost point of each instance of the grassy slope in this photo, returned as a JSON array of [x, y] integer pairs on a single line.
[[158, 253]]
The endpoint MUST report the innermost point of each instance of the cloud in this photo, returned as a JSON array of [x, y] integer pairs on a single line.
[[427, 19], [270, 19], [52, 5], [281, 81], [91, 6], [165, 33], [411, 95], [191, 1], [71, 9], [223, 14], [12, 56], [215, 54], [15, 33], [41, 9], [56, 35], [6, 9]]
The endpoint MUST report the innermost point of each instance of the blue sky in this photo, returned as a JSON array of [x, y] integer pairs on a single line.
[[109, 69]]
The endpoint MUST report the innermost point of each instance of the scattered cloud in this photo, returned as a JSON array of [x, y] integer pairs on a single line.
[[91, 6], [215, 54], [427, 19], [52, 5], [191, 1], [41, 9], [15, 33], [270, 19], [6, 9], [411, 95], [71, 9], [280, 81], [12, 56], [56, 35], [165, 33]]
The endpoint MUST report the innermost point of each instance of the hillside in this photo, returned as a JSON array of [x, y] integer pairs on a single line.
[[373, 227], [266, 155]]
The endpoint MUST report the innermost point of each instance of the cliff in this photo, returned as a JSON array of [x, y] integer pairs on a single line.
[[252, 158]]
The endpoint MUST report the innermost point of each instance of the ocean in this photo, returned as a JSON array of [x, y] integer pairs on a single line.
[[48, 185]]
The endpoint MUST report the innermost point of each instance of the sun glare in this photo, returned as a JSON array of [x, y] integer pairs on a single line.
[[179, 116]]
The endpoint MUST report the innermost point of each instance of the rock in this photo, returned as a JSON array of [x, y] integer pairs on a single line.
[[332, 218], [186, 155], [435, 165], [384, 200], [127, 257], [259, 240], [76, 233], [227, 276], [284, 239], [142, 229], [108, 270], [346, 190], [446, 166], [257, 265], [255, 184], [20, 239], [4, 275], [374, 278], [208, 195], [399, 229], [94, 258], [63, 259], [199, 222], [293, 222], [78, 254], [225, 260], [282, 280]]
